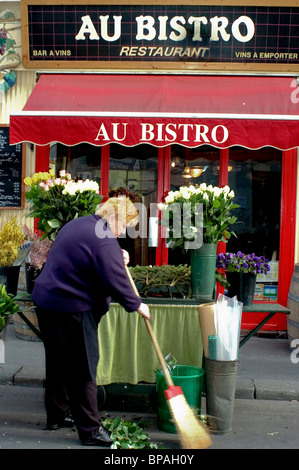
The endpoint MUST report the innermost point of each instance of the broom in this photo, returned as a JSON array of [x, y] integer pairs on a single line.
[[193, 434]]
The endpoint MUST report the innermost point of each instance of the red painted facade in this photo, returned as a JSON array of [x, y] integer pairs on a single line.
[[287, 219]]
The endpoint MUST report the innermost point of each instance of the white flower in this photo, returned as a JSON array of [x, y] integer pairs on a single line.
[[217, 192], [69, 189], [90, 185], [60, 182], [185, 193], [80, 186], [170, 198], [44, 185]]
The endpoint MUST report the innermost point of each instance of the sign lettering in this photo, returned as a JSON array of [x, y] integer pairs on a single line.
[[160, 132], [161, 33]]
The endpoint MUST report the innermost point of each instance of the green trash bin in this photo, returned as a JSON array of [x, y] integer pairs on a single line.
[[190, 379]]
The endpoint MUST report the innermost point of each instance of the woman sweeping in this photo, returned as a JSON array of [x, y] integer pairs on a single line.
[[84, 270]]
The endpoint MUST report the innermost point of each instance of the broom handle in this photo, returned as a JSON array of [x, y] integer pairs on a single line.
[[166, 373]]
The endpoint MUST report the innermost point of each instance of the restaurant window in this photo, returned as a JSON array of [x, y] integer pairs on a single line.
[[255, 177], [191, 167], [256, 180], [82, 161], [134, 172]]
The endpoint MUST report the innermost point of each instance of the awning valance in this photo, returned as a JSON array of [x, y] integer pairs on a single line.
[[160, 110]]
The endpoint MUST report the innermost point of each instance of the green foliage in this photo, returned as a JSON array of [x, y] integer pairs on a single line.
[[8, 305], [219, 277], [165, 281], [56, 201], [127, 435]]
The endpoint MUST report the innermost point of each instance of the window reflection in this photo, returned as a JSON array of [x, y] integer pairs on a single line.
[[256, 180], [134, 172], [186, 162], [82, 161], [193, 166]]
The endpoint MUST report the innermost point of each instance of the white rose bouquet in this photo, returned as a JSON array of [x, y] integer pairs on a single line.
[[203, 210]]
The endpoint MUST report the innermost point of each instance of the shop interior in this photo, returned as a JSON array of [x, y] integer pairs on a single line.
[[254, 175]]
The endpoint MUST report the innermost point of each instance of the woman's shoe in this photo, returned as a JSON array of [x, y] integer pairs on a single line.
[[100, 438], [68, 422]]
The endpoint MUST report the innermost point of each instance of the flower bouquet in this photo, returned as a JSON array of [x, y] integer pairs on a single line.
[[38, 248], [37, 252], [11, 240], [56, 201], [241, 270], [196, 219], [201, 214], [12, 254], [242, 263]]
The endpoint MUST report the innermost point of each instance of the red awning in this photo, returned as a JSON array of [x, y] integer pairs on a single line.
[[190, 110]]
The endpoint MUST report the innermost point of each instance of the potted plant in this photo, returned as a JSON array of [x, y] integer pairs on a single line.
[[8, 306], [11, 257], [56, 201], [241, 270], [38, 250], [197, 218], [163, 281]]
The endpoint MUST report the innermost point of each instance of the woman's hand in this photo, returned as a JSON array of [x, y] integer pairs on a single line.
[[144, 311], [126, 257]]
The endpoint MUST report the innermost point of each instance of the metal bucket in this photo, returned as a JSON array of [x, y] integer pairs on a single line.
[[220, 394]]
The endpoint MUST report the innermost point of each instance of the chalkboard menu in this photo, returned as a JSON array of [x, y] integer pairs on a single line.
[[11, 172]]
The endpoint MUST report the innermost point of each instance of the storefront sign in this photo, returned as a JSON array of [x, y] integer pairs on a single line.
[[69, 34], [163, 133], [160, 110]]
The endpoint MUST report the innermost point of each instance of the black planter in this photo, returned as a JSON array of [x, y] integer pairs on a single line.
[[9, 275], [31, 275], [242, 285]]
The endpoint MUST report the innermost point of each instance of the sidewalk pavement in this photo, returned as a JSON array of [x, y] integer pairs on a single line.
[[268, 368], [265, 411]]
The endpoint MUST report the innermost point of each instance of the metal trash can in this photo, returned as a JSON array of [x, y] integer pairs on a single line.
[[220, 382]]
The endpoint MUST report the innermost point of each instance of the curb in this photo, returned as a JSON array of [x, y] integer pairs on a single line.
[[29, 377], [7, 374], [21, 375], [249, 389], [259, 389], [276, 390]]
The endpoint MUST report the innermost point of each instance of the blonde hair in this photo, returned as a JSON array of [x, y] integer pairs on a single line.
[[122, 208]]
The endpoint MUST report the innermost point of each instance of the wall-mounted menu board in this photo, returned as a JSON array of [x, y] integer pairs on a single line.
[[11, 172]]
